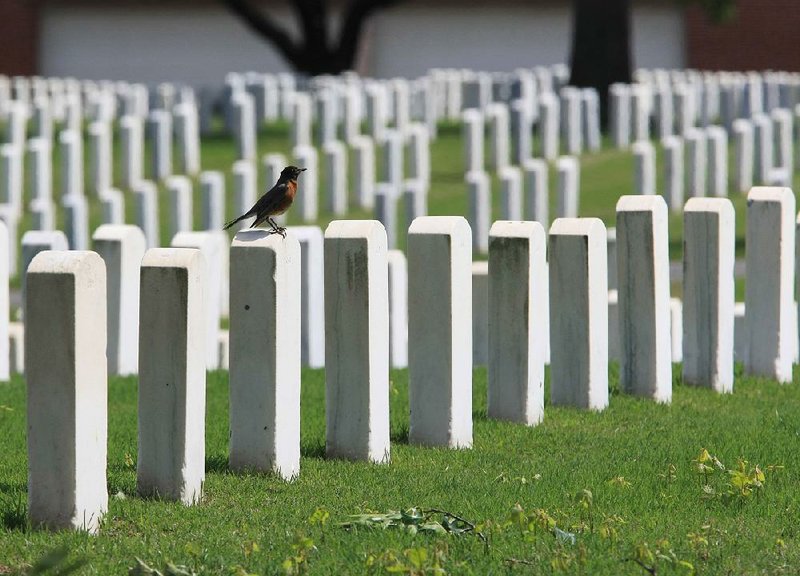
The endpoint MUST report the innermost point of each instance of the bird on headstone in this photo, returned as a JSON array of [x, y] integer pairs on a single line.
[[275, 202]]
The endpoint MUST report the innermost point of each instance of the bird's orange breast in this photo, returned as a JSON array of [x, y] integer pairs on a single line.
[[282, 205]]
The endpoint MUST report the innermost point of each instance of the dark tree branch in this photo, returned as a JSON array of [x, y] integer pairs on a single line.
[[266, 27], [312, 16], [356, 17]]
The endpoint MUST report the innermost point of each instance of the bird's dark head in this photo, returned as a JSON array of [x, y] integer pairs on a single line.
[[291, 173]]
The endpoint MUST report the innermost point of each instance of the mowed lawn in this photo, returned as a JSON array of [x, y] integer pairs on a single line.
[[626, 491], [622, 485]]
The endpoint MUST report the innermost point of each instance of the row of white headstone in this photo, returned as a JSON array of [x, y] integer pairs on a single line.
[[672, 102], [511, 129], [66, 334], [763, 154]]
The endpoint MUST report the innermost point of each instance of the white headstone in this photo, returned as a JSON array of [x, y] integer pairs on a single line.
[[770, 245], [172, 377], [644, 161], [100, 157], [708, 293], [696, 152], [356, 341], [122, 248], [473, 140], [308, 184], [717, 161], [510, 193], [181, 204], [363, 171], [743, 155], [439, 335], [673, 172], [480, 209], [65, 369], [521, 126], [386, 211], [643, 279], [517, 273], [579, 313], [212, 198], [159, 127], [213, 244], [131, 137], [398, 309], [499, 134], [265, 353], [480, 313], [301, 121], [536, 191], [145, 201], [620, 110], [335, 157], [76, 221], [568, 171], [548, 125], [312, 295]]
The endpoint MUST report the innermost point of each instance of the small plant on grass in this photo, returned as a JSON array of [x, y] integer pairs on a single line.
[[733, 485], [297, 563], [414, 520]]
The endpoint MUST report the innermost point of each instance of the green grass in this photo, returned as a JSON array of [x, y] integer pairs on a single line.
[[636, 458]]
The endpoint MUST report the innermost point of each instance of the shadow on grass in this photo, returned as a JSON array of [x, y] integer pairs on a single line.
[[14, 509], [217, 463]]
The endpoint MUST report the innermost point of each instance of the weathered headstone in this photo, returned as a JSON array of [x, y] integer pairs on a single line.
[[480, 209], [516, 329], [568, 172], [579, 313], [244, 189], [265, 353], [510, 193], [308, 183], [213, 244], [145, 200], [644, 166], [159, 127], [673, 172], [439, 335], [499, 134], [770, 245], [386, 211], [743, 155], [172, 377], [122, 249], [696, 152], [65, 369], [335, 157], [312, 295], [708, 293], [356, 341], [643, 279], [212, 198], [131, 137], [717, 161], [363, 171], [536, 191]]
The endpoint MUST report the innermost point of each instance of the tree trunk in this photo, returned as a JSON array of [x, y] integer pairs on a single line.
[[601, 46]]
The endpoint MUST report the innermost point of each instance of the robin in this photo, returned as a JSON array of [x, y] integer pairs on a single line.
[[274, 202]]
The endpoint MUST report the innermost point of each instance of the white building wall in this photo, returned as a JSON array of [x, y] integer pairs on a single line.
[[200, 45]]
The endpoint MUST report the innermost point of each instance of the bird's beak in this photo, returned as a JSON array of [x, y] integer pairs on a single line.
[[303, 169]]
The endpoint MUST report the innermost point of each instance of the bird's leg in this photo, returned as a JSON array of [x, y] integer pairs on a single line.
[[275, 228]]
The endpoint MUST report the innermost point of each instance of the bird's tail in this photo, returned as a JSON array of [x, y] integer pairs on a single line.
[[234, 221]]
